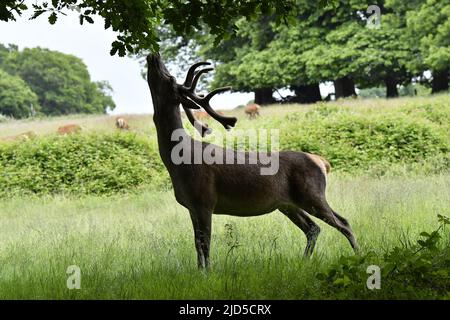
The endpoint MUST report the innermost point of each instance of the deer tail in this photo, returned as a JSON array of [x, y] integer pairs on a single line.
[[321, 162], [327, 164]]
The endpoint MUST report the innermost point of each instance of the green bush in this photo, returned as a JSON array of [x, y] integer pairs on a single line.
[[418, 271], [80, 164], [351, 142], [410, 139], [436, 112]]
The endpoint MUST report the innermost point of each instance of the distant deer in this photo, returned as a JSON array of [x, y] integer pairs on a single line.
[[122, 124], [252, 110], [69, 129], [21, 137], [202, 115], [297, 189]]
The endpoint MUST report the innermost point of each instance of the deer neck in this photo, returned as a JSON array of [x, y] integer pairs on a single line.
[[166, 123]]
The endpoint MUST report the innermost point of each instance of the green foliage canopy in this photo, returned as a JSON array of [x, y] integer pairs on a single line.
[[430, 24], [16, 98], [328, 43], [137, 21], [62, 82]]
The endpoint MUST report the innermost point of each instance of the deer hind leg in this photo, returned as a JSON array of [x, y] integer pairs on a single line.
[[201, 221], [300, 218], [323, 211], [349, 230]]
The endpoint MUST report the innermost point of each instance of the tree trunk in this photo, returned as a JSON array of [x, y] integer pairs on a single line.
[[391, 87], [307, 93], [344, 87], [440, 81], [264, 96]]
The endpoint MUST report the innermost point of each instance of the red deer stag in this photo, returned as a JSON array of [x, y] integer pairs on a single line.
[[297, 189], [252, 110], [69, 129], [122, 124]]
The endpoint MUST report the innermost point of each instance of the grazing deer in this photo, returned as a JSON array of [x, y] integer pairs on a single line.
[[122, 124], [252, 110], [69, 129], [297, 189], [21, 137], [202, 115]]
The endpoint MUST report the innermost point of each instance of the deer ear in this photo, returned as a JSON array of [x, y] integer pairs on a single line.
[[189, 104]]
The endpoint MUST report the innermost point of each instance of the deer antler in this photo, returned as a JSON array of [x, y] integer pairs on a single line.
[[191, 72], [190, 100], [201, 127]]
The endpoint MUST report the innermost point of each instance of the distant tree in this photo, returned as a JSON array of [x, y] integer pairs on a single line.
[[3, 53], [333, 58], [250, 37], [61, 82], [6, 50], [102, 95], [239, 59], [263, 56], [381, 57], [16, 98], [429, 26], [330, 43]]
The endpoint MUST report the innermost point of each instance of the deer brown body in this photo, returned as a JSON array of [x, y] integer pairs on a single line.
[[69, 129], [21, 137], [252, 110], [122, 124], [202, 115], [297, 189]]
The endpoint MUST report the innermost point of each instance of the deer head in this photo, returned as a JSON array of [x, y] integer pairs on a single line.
[[186, 94]]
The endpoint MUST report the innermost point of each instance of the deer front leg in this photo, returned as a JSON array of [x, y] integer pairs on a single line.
[[201, 221]]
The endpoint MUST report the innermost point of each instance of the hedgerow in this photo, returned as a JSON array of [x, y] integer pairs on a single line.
[[80, 164], [410, 139]]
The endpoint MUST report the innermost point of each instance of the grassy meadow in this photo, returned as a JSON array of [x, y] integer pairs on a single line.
[[138, 244], [141, 246]]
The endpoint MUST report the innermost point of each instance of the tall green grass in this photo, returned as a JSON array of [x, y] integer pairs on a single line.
[[141, 245]]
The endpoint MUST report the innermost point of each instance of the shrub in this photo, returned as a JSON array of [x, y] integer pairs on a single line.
[[409, 140], [80, 164], [419, 271], [435, 112], [351, 141]]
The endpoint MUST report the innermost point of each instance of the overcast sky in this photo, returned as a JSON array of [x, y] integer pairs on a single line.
[[92, 44]]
